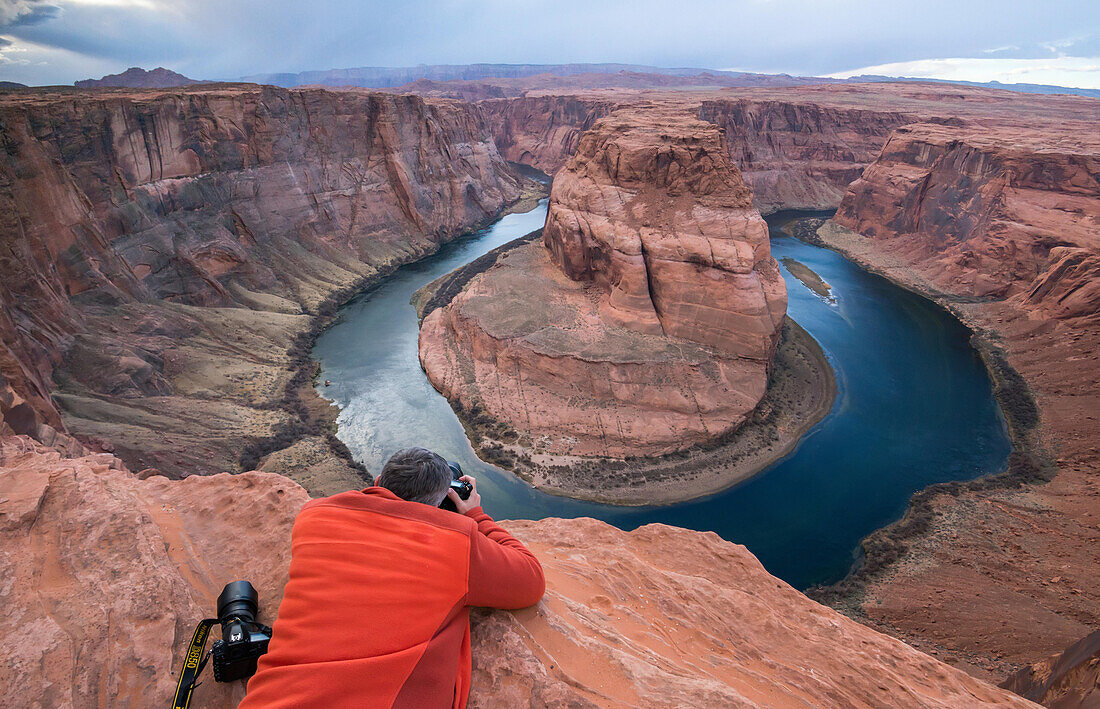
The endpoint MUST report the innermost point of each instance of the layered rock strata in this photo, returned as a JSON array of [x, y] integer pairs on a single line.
[[645, 321], [543, 131], [103, 564], [1000, 224], [165, 249], [800, 155], [798, 147], [988, 213]]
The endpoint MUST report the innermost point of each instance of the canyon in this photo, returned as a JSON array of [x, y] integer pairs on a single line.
[[167, 249], [985, 202], [1001, 227], [170, 254]]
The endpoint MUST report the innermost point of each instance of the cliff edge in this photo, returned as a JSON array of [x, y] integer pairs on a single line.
[[658, 617]]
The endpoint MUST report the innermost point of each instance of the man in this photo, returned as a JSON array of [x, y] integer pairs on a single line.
[[376, 611]]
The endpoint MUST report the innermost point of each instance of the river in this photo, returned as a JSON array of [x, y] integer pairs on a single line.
[[915, 407]]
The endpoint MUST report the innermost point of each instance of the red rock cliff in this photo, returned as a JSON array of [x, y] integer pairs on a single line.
[[1000, 222], [647, 322], [543, 131], [984, 210], [98, 563], [800, 155], [122, 212]]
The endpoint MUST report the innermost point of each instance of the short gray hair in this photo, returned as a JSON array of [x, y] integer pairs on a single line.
[[416, 475]]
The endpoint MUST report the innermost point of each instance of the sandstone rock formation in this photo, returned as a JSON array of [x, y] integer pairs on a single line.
[[165, 249], [798, 147], [800, 155], [652, 213], [542, 131], [105, 574], [647, 322], [982, 210], [1068, 680], [1000, 223]]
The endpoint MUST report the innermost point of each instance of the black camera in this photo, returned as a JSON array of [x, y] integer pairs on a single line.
[[235, 655], [243, 639], [461, 487]]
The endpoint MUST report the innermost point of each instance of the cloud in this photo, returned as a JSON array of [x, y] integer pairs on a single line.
[[219, 39], [1079, 72], [22, 13]]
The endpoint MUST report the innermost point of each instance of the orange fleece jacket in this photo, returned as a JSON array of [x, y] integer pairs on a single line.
[[376, 611]]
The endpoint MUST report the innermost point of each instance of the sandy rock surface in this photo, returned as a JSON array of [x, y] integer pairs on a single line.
[[111, 572]]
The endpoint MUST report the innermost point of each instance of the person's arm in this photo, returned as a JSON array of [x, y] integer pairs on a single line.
[[503, 572]]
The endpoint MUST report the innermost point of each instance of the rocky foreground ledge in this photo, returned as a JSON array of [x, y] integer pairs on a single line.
[[105, 575]]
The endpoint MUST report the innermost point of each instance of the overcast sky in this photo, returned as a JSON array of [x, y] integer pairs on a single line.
[[1035, 41]]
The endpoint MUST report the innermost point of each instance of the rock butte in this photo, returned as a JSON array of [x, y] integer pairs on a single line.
[[645, 321], [658, 617], [154, 290]]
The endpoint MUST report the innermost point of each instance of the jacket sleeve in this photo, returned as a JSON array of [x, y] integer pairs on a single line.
[[503, 572]]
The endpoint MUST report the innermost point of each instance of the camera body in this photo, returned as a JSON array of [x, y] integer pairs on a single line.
[[461, 487], [243, 639], [234, 656]]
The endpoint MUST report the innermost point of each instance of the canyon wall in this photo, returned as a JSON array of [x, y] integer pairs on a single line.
[[658, 617], [800, 155], [1000, 223], [542, 131], [646, 320], [983, 212], [793, 154], [165, 248]]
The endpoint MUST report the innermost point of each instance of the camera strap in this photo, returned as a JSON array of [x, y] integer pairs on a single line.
[[193, 663]]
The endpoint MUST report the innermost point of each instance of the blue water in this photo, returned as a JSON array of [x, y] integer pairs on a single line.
[[914, 407]]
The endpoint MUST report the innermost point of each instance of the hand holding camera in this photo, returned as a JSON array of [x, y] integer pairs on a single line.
[[473, 499], [462, 496]]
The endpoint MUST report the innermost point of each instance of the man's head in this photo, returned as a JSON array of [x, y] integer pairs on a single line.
[[416, 475]]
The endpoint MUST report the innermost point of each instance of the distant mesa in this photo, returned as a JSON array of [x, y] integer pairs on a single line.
[[12, 85], [512, 79], [138, 78], [609, 74]]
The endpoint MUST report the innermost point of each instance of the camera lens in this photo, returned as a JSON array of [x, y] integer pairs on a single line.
[[238, 600]]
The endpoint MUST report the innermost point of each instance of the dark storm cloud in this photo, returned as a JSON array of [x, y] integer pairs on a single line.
[[218, 39], [21, 13]]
